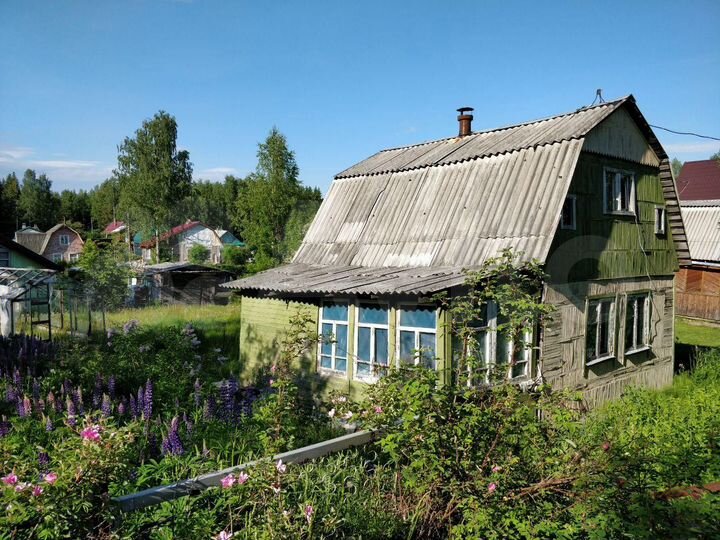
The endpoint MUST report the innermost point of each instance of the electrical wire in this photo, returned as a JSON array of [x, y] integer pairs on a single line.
[[686, 133]]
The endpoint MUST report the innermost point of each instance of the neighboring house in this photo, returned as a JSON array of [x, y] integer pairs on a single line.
[[228, 239], [60, 243], [114, 228], [182, 238], [590, 194], [14, 255], [698, 284]]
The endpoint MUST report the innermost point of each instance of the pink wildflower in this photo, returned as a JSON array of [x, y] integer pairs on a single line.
[[272, 381], [91, 433], [496, 468], [492, 487], [224, 535], [331, 413], [242, 478], [37, 491], [280, 466], [309, 511], [276, 488], [378, 409], [11, 479], [51, 478], [348, 415], [273, 369], [228, 482]]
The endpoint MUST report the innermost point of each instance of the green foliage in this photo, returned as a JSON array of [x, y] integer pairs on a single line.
[[198, 254], [676, 166], [104, 202], [268, 199], [234, 258], [9, 200], [154, 176], [104, 275], [36, 204]]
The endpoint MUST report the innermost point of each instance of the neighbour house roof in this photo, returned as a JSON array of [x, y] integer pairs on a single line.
[[702, 223], [114, 227], [187, 267], [173, 232], [29, 253], [407, 216], [228, 238], [38, 242], [699, 180]]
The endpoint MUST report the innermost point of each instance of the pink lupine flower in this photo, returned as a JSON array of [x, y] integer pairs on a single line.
[[492, 487], [51, 478], [280, 466], [242, 478], [309, 511], [11, 479], [37, 491], [224, 535], [21, 486], [331, 413], [229, 481], [378, 409], [91, 433], [496, 468]]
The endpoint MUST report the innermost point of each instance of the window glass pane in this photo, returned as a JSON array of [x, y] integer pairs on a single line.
[[373, 314], [341, 337], [503, 349], [427, 350], [381, 346], [609, 191], [327, 337], [604, 338], [335, 312], [341, 364], [363, 351], [640, 323], [407, 346], [363, 369], [325, 362], [629, 323], [479, 348], [518, 370], [420, 317]]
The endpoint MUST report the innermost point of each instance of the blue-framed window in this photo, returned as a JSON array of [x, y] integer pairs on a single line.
[[372, 340], [333, 350], [417, 335]]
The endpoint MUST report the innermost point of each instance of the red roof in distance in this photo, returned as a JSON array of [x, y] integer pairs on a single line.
[[113, 227], [699, 180], [172, 232]]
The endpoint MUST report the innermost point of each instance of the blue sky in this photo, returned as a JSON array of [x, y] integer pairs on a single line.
[[341, 79]]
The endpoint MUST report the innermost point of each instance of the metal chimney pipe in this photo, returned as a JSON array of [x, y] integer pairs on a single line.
[[465, 119]]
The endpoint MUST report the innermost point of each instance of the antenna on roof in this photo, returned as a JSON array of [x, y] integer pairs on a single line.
[[598, 97]]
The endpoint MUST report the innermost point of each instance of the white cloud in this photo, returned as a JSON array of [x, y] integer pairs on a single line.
[[9, 154], [215, 173], [691, 148]]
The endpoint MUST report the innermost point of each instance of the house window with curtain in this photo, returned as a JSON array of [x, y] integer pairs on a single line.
[[372, 340], [619, 193], [637, 323], [333, 350], [417, 335], [600, 331]]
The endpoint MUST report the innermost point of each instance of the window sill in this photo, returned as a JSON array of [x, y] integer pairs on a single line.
[[621, 214], [327, 372], [630, 352], [600, 360]]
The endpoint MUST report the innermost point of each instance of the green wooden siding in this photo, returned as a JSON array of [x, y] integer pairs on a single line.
[[20, 261], [607, 246]]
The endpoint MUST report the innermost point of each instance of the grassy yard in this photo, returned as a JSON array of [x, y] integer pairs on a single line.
[[220, 325], [690, 332]]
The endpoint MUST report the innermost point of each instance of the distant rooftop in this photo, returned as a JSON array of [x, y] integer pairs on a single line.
[[699, 180]]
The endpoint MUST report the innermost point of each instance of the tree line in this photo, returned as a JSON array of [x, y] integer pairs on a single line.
[[152, 189]]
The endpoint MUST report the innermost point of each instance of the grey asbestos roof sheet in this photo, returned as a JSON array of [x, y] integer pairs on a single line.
[[702, 226], [297, 278]]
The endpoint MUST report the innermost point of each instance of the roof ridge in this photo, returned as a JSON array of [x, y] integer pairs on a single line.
[[511, 126]]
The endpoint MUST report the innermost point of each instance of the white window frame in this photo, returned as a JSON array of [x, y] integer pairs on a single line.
[[64, 240], [611, 345], [617, 209], [57, 257], [660, 220], [491, 351], [373, 376], [333, 354], [642, 342], [573, 225], [417, 330]]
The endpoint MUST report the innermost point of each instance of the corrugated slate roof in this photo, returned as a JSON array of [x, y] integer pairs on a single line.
[[298, 278], [447, 205], [699, 180], [702, 225]]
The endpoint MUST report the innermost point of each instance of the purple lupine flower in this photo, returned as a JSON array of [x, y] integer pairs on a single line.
[[121, 408], [130, 326], [71, 412], [66, 387], [97, 392], [11, 394], [35, 389], [133, 407], [227, 400], [111, 386], [174, 443], [148, 403], [17, 378], [49, 424], [5, 427], [197, 392], [78, 400], [106, 407], [209, 408], [43, 460], [140, 400]]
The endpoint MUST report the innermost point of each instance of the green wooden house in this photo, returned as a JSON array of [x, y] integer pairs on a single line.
[[589, 193]]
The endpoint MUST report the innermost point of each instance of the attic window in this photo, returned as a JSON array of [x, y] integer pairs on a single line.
[[64, 240], [619, 192], [567, 216], [660, 220]]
